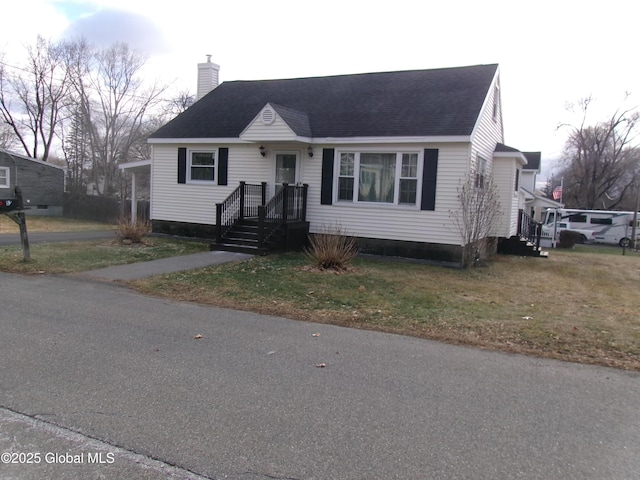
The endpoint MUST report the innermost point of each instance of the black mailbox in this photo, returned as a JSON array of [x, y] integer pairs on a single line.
[[8, 204]]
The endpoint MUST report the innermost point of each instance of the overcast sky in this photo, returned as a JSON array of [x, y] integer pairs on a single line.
[[550, 52]]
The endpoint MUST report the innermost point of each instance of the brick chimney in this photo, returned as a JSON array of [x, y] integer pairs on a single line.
[[207, 77]]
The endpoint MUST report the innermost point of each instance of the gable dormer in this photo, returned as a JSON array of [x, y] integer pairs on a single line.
[[277, 123]]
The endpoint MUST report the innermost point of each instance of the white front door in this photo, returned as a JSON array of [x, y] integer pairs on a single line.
[[286, 168]]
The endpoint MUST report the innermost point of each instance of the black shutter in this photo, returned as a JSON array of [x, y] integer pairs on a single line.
[[182, 165], [429, 178], [223, 164], [326, 191]]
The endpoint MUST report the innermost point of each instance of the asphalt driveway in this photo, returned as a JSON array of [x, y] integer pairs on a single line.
[[217, 393]]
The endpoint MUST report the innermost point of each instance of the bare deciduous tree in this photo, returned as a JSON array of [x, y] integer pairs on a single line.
[[33, 99], [178, 104], [476, 218], [601, 162], [114, 103]]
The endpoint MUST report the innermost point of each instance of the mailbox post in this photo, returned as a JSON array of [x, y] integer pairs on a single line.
[[7, 206]]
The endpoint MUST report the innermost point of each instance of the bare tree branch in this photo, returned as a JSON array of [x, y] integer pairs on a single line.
[[601, 161], [478, 215], [32, 101]]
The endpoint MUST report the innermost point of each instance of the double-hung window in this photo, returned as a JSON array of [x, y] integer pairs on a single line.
[[378, 177], [409, 179], [4, 178], [481, 168], [346, 179], [202, 166]]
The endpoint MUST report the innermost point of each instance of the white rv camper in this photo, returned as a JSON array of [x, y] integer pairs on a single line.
[[594, 226]]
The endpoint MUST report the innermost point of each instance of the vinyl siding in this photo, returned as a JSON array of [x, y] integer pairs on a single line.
[[488, 131], [394, 222], [528, 180], [487, 134], [504, 176], [276, 132], [196, 203]]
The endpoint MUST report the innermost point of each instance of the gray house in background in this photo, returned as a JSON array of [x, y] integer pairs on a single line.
[[42, 184]]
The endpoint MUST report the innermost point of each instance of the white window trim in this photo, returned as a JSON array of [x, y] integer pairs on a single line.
[[7, 171], [190, 153], [398, 177]]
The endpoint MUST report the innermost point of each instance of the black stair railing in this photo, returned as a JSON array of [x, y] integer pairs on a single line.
[[243, 202], [289, 204], [529, 229]]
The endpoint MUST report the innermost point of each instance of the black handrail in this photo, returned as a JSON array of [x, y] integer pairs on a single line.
[[529, 229], [289, 204], [243, 202]]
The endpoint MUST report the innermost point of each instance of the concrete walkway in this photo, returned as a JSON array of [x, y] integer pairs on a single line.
[[134, 271], [131, 271]]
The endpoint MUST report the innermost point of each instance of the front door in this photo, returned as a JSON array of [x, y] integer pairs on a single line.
[[286, 168]]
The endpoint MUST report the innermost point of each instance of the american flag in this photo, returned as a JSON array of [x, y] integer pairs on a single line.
[[557, 192]]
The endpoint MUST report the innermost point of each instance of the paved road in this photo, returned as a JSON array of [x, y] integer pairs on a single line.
[[249, 400]]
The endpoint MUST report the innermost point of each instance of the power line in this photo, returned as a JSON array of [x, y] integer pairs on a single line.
[[14, 67]]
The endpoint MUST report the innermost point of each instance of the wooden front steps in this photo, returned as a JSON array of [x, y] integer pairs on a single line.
[[521, 247], [242, 237]]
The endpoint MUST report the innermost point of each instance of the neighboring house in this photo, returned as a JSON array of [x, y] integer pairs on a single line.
[[42, 184], [382, 155], [535, 202]]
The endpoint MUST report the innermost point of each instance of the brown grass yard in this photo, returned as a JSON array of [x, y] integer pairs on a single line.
[[579, 305], [51, 224], [73, 257], [576, 305]]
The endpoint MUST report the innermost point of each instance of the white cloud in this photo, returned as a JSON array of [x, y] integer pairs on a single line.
[[107, 26], [550, 52]]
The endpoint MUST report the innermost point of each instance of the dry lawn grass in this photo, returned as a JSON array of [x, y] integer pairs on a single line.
[[573, 306], [71, 257], [51, 224]]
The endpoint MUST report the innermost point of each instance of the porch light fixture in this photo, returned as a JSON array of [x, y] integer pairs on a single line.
[[263, 152], [310, 151]]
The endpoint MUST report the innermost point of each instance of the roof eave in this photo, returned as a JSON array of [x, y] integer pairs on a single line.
[[197, 140], [324, 140], [517, 155]]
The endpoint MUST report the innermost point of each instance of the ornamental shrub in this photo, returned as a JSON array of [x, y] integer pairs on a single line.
[[331, 249], [568, 239]]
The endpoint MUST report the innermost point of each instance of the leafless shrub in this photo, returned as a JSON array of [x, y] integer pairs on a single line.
[[331, 249], [128, 231], [478, 214]]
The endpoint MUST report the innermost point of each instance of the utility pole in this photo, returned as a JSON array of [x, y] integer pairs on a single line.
[[634, 227]]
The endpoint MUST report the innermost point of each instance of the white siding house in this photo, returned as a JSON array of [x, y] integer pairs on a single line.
[[382, 155]]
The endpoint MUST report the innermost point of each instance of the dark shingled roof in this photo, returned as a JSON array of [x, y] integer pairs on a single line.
[[409, 103], [533, 160], [501, 147]]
